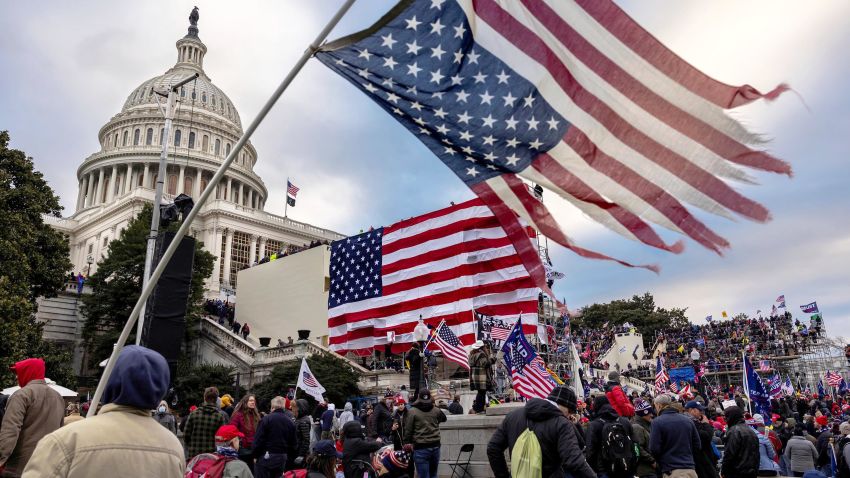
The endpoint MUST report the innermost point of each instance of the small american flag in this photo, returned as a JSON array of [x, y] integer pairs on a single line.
[[674, 387], [309, 379], [292, 189], [833, 379], [781, 298], [661, 376], [452, 349], [571, 95], [764, 365], [499, 333]]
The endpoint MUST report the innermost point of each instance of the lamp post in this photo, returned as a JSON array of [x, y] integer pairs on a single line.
[[420, 334], [89, 261]]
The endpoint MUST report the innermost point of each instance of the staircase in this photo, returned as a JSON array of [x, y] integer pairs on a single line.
[[60, 316]]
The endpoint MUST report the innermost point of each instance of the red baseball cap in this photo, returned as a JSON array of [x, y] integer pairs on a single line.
[[226, 433]]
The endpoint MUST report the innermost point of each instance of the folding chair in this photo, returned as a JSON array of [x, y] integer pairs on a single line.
[[465, 465]]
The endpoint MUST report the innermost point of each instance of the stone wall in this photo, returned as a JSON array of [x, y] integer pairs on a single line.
[[475, 429]]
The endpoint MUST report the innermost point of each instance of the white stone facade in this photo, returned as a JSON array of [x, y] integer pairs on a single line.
[[116, 182]]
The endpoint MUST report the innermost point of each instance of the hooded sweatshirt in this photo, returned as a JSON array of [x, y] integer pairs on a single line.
[[140, 379], [347, 415], [31, 413], [303, 425], [355, 447]]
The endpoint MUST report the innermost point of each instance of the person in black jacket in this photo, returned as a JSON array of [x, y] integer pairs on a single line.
[[549, 420], [383, 417], [356, 449], [704, 459], [415, 361], [274, 440], [741, 450], [303, 426]]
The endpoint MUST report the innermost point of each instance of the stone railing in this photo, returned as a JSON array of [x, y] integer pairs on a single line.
[[221, 204], [236, 345]]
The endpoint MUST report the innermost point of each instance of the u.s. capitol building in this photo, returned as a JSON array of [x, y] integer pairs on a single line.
[[116, 182]]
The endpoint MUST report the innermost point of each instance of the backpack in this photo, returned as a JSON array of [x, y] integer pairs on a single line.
[[207, 465], [526, 456], [843, 468], [618, 452]]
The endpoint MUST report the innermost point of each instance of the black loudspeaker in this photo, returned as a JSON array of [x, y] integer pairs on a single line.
[[165, 313]]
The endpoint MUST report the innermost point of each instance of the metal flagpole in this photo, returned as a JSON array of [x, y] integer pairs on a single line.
[[286, 204], [171, 97], [187, 222]]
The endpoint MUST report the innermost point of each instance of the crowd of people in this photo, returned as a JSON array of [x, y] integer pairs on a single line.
[[719, 343], [290, 250], [616, 436]]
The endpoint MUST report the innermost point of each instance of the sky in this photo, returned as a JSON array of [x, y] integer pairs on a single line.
[[69, 66]]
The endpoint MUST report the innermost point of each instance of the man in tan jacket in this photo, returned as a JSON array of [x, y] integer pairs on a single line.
[[31, 413], [123, 439]]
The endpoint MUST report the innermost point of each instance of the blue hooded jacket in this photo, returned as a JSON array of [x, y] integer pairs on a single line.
[[140, 378]]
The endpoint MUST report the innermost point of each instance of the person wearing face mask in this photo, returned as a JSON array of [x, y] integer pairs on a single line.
[[399, 416], [165, 418], [383, 417]]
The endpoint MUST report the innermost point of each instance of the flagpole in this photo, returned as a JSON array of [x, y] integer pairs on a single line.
[[286, 204], [431, 339], [747, 382], [187, 221]]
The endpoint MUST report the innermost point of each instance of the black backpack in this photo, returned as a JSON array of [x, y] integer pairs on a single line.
[[619, 453], [843, 470]]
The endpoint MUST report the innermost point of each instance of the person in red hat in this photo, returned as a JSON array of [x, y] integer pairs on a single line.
[[399, 418], [31, 413], [225, 461]]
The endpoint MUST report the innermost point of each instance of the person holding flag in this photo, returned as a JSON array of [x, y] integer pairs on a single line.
[[480, 374]]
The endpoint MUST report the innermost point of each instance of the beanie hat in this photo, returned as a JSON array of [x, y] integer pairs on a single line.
[[613, 376], [396, 461], [564, 396], [642, 408], [822, 420]]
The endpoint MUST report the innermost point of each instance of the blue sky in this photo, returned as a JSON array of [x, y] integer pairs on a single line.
[[68, 68]]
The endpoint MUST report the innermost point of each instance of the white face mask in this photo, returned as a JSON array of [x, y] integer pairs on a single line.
[[161, 409]]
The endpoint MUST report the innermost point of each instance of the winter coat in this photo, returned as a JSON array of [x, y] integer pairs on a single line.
[[166, 420], [673, 441], [355, 446], [398, 434], [234, 468], [383, 421], [556, 435], [31, 413], [705, 461], [800, 454], [199, 432], [823, 447], [640, 435], [243, 422], [617, 398], [275, 434], [455, 408], [346, 416], [415, 367], [595, 441], [480, 370], [422, 425], [741, 449], [119, 438], [767, 454], [303, 425]]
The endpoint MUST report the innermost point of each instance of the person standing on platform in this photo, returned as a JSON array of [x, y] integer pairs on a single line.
[[31, 413], [414, 360], [480, 374]]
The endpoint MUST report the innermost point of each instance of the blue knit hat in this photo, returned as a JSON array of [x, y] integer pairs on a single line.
[[642, 408]]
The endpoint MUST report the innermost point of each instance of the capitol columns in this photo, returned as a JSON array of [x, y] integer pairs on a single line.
[[89, 200], [228, 250], [239, 200], [212, 243], [128, 179], [252, 250], [251, 198], [113, 176], [181, 180], [196, 186], [98, 197], [81, 196], [228, 195], [262, 248], [146, 175]]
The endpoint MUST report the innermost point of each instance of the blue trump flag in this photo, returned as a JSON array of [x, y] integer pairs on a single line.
[[821, 391], [756, 391]]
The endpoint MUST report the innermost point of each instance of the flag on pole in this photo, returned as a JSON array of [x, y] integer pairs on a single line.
[[529, 377], [308, 382], [674, 387], [439, 265], [709, 318], [724, 315], [661, 376], [291, 192], [781, 301], [821, 391], [842, 387], [773, 311], [452, 349], [575, 97], [577, 371], [764, 365], [833, 379], [756, 391], [811, 308], [787, 387], [776, 386]]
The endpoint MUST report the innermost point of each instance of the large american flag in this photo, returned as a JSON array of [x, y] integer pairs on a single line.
[[661, 376], [439, 265], [450, 346], [529, 376], [572, 95], [833, 379]]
